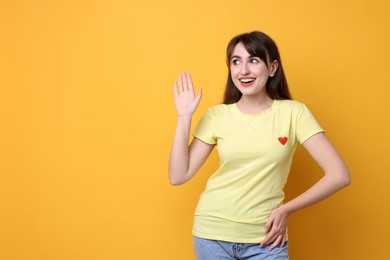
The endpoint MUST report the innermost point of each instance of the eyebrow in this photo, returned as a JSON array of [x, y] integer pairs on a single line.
[[239, 57]]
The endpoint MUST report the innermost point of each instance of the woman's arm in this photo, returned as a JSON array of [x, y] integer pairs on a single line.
[[184, 160], [336, 176]]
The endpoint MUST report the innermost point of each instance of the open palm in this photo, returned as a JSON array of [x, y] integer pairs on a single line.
[[186, 101]]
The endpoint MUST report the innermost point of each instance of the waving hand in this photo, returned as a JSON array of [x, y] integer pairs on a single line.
[[186, 101]]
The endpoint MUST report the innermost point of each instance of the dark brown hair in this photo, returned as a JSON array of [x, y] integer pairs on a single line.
[[260, 45]]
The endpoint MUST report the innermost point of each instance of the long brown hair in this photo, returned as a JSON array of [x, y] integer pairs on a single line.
[[257, 44]]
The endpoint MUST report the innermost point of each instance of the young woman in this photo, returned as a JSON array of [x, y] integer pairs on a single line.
[[241, 214]]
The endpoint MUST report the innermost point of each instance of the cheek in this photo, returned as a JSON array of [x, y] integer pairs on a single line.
[[234, 78], [234, 71]]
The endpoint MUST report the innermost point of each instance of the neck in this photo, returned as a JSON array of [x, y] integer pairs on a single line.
[[254, 104]]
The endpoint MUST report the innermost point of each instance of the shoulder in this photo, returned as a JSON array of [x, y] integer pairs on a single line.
[[288, 103], [219, 113], [292, 106]]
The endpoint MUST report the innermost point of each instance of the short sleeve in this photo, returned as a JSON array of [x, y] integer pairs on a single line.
[[306, 124], [204, 130]]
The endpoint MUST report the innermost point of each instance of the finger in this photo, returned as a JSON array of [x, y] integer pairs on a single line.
[[284, 240], [271, 237], [267, 228], [268, 239], [189, 81], [275, 243], [180, 82], [185, 83], [198, 96], [265, 240], [269, 224]]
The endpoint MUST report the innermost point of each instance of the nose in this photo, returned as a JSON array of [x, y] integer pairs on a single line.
[[244, 69]]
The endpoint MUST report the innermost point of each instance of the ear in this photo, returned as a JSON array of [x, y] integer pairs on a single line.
[[273, 68]]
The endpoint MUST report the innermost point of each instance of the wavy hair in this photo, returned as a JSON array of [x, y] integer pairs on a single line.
[[257, 44]]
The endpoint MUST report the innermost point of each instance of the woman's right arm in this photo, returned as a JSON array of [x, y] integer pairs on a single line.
[[184, 160]]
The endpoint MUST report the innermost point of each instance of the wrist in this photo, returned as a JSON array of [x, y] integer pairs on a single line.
[[184, 117], [286, 209]]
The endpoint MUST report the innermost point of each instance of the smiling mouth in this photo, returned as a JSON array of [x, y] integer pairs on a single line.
[[247, 80]]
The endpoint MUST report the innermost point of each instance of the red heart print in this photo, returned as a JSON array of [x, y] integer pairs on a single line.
[[283, 140]]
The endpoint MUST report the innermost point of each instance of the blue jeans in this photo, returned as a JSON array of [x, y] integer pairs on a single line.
[[206, 249]]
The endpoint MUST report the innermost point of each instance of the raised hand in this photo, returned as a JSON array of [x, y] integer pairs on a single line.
[[186, 101]]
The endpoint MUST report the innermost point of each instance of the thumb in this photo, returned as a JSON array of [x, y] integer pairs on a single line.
[[268, 225], [198, 96]]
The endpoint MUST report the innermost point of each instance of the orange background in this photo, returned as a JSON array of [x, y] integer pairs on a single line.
[[87, 120]]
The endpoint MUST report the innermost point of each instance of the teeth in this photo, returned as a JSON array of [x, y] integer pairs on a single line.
[[246, 80]]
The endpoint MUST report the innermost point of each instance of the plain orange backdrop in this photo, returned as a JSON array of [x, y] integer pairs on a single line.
[[87, 120]]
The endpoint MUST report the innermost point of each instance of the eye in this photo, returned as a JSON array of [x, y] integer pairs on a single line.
[[235, 61], [254, 60]]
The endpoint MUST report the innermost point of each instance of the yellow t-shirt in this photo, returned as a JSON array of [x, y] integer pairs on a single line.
[[255, 157]]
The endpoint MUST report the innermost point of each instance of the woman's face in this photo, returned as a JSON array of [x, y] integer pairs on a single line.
[[249, 73]]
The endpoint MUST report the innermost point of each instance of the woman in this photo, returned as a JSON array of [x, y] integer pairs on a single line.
[[241, 214]]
